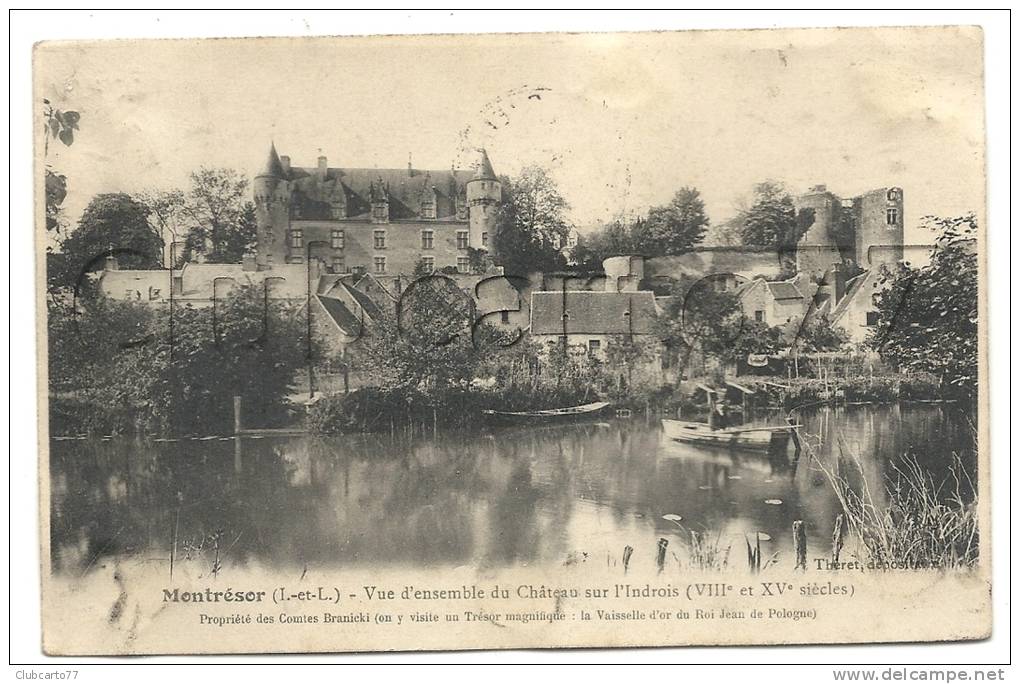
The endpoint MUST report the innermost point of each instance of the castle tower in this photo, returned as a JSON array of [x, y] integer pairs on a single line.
[[484, 193], [821, 212], [272, 211], [878, 227]]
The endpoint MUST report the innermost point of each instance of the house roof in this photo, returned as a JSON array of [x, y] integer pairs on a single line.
[[853, 286], [315, 193], [592, 313], [784, 290], [348, 322]]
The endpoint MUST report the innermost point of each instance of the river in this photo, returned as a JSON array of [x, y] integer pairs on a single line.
[[495, 499]]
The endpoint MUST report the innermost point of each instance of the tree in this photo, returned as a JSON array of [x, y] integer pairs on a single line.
[[168, 218], [928, 316], [817, 334], [771, 221], [131, 365], [612, 239], [428, 344], [697, 316], [627, 352], [531, 224], [110, 222], [222, 226], [748, 337], [674, 227]]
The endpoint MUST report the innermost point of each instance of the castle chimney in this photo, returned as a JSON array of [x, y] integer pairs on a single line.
[[285, 163], [410, 169], [322, 167]]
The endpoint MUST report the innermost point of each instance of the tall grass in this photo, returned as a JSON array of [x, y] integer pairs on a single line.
[[923, 522]]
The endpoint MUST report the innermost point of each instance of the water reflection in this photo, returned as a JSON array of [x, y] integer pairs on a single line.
[[512, 497]]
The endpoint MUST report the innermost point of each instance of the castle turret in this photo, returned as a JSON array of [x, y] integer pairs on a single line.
[[879, 227], [819, 213], [484, 193], [272, 209]]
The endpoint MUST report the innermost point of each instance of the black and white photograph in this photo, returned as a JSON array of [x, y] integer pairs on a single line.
[[512, 341]]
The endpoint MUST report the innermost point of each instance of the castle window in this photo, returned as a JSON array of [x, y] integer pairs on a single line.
[[892, 195], [380, 211], [759, 315], [380, 264], [871, 318], [337, 239], [428, 210], [428, 263], [296, 260], [504, 316], [462, 239], [426, 239], [379, 239], [593, 347], [892, 216], [297, 239], [336, 211], [269, 259], [485, 239], [463, 265], [358, 270], [338, 264]]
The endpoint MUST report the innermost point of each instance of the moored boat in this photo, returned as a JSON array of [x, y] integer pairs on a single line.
[[752, 438], [591, 410]]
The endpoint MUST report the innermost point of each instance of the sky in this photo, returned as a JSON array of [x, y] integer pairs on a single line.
[[621, 121]]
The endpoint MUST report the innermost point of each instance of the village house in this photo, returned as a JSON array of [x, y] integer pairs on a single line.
[[772, 302]]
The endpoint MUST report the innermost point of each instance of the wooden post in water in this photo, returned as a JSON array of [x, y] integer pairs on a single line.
[[237, 415], [628, 551], [660, 558], [800, 544], [838, 532]]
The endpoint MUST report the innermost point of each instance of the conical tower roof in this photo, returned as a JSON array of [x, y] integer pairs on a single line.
[[484, 169], [273, 167]]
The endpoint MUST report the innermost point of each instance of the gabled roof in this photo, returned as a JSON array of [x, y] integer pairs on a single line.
[[853, 286], [348, 322], [403, 188], [592, 313], [784, 290]]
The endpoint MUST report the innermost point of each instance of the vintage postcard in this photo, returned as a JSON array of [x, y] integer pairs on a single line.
[[512, 341]]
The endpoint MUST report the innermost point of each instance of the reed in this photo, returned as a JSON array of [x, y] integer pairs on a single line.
[[920, 522]]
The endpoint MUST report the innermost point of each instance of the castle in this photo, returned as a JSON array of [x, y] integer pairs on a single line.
[[379, 221]]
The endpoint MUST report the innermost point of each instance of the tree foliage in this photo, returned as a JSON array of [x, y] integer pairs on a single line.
[[698, 316], [531, 224], [221, 224], [771, 221], [57, 125], [112, 221], [674, 227], [130, 365], [928, 316], [670, 229], [428, 344]]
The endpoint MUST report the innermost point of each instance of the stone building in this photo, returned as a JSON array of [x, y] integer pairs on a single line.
[[379, 221], [586, 321], [865, 230], [772, 302]]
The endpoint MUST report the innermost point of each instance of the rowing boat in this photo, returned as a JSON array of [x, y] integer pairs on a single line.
[[757, 438], [567, 413]]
